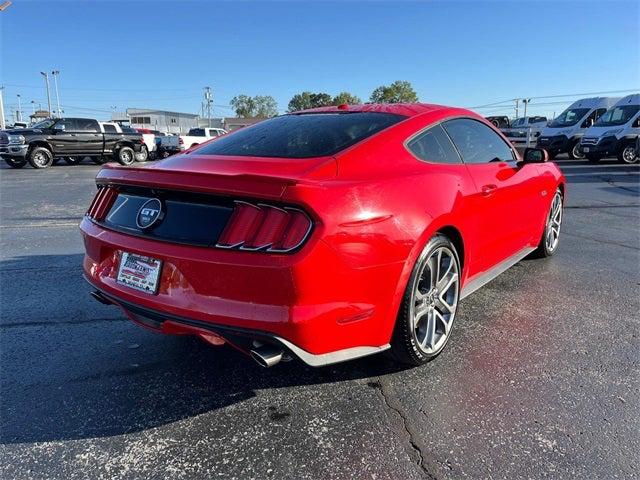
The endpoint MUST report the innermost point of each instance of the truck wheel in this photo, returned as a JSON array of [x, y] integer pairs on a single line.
[[73, 160], [628, 155], [575, 153], [99, 160], [142, 155], [593, 158], [40, 157], [15, 162], [125, 156]]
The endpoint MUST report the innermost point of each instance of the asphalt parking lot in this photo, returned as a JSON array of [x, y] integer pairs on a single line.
[[541, 378]]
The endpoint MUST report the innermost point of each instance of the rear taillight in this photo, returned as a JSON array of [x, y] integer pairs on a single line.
[[102, 202], [265, 227], [180, 141]]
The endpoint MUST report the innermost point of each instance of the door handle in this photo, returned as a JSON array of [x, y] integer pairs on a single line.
[[73, 135], [488, 189]]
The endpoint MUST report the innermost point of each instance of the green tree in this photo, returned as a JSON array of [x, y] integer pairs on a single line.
[[244, 105], [346, 98], [305, 100], [258, 106], [266, 106], [399, 91]]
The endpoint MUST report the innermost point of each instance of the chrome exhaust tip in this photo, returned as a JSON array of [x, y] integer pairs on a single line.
[[267, 355], [100, 298]]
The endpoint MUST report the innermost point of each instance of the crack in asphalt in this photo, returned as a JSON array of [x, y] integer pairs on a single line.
[[60, 322], [394, 406], [600, 240], [587, 207]]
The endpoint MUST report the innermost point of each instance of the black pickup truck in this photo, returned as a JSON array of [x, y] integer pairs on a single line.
[[69, 138]]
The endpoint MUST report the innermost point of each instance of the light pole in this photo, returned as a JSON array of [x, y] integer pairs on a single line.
[[2, 125], [33, 107], [19, 112], [55, 74], [526, 102], [46, 80]]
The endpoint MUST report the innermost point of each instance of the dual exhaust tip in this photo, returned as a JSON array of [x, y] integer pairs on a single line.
[[264, 354], [267, 355]]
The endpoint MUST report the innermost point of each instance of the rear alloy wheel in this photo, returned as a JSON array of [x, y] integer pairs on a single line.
[[551, 236], [125, 156], [576, 152], [429, 305], [142, 155], [15, 162], [628, 155], [40, 157]]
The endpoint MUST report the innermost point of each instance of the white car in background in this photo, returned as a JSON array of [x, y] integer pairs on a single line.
[[178, 143], [524, 131]]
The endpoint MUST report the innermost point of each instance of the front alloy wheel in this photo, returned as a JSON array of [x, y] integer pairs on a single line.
[[551, 236], [576, 152], [628, 154], [429, 307]]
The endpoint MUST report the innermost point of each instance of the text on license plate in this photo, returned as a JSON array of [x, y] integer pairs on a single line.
[[139, 272]]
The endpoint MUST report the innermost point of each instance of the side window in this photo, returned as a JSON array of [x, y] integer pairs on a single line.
[[109, 128], [433, 145], [476, 142], [67, 124], [636, 123], [599, 113], [87, 125], [590, 120]]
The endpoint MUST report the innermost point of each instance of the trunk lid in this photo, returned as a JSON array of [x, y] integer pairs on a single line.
[[247, 176]]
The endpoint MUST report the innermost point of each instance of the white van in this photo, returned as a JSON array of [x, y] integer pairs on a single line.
[[615, 133], [564, 133]]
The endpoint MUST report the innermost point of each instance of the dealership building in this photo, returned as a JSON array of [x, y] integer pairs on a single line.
[[165, 121]]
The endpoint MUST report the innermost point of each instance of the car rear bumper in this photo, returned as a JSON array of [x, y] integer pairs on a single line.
[[310, 302]]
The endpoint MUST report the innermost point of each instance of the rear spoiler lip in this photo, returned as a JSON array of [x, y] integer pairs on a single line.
[[243, 184]]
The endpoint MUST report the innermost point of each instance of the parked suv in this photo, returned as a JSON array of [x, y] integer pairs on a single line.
[[69, 138]]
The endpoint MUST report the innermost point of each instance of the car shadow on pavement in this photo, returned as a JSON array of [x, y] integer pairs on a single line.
[[72, 368]]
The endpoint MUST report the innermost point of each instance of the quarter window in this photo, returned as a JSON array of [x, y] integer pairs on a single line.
[[433, 145], [476, 142], [109, 128]]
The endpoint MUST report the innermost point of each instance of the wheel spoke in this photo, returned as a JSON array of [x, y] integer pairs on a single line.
[[431, 330], [445, 283], [446, 324]]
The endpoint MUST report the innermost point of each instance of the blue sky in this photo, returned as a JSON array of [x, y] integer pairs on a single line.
[[161, 54]]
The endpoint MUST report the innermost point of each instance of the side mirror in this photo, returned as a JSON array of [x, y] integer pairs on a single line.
[[535, 155]]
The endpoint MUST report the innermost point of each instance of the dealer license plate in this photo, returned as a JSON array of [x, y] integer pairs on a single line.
[[139, 272]]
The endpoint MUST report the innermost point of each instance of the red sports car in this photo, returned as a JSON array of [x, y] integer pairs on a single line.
[[327, 234]]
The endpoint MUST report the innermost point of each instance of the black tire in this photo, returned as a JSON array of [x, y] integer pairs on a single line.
[[404, 342], [142, 155], [40, 157], [575, 153], [125, 156], [100, 160], [593, 158], [628, 154], [73, 160], [15, 162], [544, 250]]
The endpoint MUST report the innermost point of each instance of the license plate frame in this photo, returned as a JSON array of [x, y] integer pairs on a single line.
[[139, 272]]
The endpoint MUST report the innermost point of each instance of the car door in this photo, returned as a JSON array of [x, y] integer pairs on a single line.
[[63, 138], [508, 196], [88, 137]]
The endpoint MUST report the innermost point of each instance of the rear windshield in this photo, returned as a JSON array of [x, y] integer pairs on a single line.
[[301, 136]]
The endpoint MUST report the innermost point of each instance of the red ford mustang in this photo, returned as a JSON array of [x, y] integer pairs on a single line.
[[327, 234]]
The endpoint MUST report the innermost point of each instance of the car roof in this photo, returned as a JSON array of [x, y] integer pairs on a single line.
[[406, 109]]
